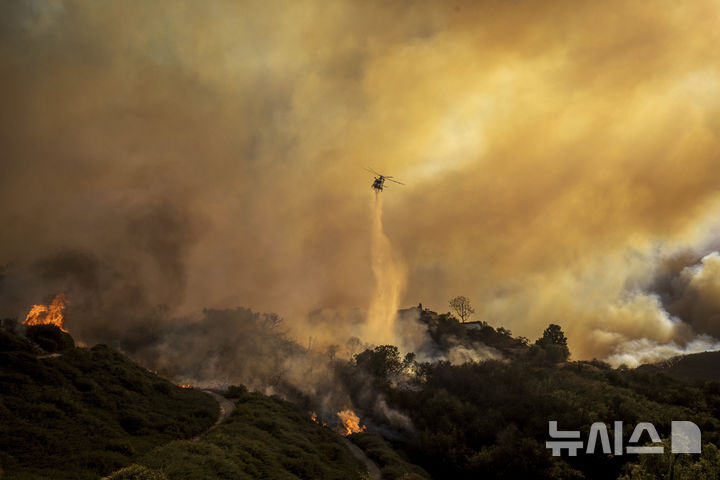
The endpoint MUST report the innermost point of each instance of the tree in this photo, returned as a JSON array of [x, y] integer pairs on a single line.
[[553, 335], [554, 342], [353, 345], [382, 361], [673, 466], [461, 306], [504, 331]]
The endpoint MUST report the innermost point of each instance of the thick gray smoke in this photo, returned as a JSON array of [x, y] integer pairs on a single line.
[[689, 288], [681, 293], [119, 291]]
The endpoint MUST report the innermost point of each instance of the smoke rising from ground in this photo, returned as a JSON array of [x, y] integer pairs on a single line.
[[637, 352], [556, 157]]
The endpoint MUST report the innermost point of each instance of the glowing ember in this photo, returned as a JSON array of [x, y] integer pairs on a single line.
[[48, 314], [351, 422], [184, 385], [314, 418]]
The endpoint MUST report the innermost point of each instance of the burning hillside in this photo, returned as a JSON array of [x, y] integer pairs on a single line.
[[51, 314], [351, 422]]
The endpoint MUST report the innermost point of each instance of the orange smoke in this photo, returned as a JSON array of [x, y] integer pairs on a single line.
[[48, 314], [351, 422]]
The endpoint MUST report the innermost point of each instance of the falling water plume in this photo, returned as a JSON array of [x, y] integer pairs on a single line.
[[389, 272]]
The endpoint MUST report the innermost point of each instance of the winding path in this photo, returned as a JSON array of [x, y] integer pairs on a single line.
[[372, 468], [226, 408]]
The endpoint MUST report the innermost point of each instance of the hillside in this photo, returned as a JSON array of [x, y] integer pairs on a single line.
[[265, 437], [489, 418], [479, 409], [705, 365], [83, 413], [86, 412], [445, 333]]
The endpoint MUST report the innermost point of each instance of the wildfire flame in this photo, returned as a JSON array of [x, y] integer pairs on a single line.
[[184, 385], [314, 418], [351, 422], [48, 314]]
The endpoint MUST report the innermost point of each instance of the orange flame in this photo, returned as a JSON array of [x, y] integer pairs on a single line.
[[48, 314], [184, 385], [314, 418], [351, 422]]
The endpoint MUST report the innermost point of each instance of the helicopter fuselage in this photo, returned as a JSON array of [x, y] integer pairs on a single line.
[[378, 183]]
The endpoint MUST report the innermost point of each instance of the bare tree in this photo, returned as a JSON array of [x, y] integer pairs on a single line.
[[271, 321], [461, 306], [353, 345]]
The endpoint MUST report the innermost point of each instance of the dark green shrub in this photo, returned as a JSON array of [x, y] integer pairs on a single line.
[[50, 338], [236, 391]]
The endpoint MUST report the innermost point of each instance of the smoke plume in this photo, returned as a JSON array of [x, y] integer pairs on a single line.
[[199, 156]]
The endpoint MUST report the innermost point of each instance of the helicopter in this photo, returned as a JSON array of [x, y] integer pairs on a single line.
[[379, 182]]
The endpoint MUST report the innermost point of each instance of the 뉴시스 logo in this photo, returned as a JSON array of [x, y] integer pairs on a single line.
[[684, 438]]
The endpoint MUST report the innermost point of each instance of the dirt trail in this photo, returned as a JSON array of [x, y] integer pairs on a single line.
[[226, 408], [373, 469]]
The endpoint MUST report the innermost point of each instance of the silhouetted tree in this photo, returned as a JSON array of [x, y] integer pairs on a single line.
[[353, 345], [236, 391], [461, 306], [553, 335], [554, 342], [383, 360], [504, 331], [332, 351]]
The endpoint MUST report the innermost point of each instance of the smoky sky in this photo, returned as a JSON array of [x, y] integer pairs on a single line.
[[555, 155]]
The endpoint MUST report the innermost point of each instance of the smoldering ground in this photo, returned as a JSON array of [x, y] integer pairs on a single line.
[[554, 157]]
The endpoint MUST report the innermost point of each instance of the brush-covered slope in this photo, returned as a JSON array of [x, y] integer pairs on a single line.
[[83, 413], [705, 365], [265, 437], [489, 418], [391, 464]]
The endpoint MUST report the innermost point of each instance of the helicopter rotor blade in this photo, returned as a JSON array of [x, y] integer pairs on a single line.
[[372, 171], [388, 178]]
